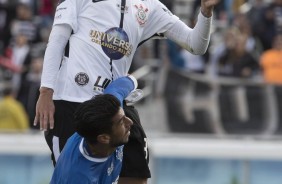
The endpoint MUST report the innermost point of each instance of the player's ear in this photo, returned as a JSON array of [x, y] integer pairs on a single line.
[[104, 138]]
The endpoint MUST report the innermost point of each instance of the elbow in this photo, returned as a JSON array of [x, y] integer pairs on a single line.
[[198, 50], [198, 46], [201, 51]]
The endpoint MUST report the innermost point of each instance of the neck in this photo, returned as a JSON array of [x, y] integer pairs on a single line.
[[99, 150]]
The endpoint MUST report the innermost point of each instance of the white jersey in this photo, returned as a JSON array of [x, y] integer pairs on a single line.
[[105, 37]]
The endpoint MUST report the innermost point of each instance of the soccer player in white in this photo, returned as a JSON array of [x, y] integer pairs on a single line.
[[92, 43]]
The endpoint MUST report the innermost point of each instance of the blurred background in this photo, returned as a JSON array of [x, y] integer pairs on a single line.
[[211, 119]]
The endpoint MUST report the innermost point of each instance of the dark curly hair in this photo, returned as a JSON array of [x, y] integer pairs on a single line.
[[94, 117]]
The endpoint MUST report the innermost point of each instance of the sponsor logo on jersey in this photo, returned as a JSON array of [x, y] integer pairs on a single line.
[[58, 16], [58, 13], [114, 42], [141, 14], [62, 8], [101, 83], [167, 11], [95, 1], [81, 79]]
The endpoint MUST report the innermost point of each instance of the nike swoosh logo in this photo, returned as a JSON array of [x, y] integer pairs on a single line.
[[96, 1]]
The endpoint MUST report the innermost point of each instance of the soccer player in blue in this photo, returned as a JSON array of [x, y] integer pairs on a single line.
[[93, 155]]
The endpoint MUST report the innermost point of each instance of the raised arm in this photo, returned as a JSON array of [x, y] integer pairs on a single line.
[[122, 87], [195, 40]]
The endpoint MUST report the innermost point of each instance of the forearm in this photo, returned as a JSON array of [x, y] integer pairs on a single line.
[[121, 87], [194, 40], [54, 53]]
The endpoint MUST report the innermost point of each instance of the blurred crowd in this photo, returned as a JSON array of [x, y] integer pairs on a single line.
[[249, 41], [246, 43], [24, 30], [236, 87]]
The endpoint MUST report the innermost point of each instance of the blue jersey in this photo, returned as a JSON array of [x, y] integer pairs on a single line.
[[75, 165]]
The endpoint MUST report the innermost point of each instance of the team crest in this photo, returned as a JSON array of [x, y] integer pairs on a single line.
[[81, 79], [141, 14]]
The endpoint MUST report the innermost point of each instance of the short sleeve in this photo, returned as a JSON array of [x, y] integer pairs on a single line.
[[160, 19], [67, 12]]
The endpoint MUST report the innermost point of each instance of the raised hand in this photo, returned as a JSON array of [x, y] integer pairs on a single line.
[[207, 7]]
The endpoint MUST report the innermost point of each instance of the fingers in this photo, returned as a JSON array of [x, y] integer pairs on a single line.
[[214, 2], [210, 3], [35, 120], [51, 120], [43, 122], [45, 109], [45, 119]]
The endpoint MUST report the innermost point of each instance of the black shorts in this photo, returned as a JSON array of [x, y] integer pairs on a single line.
[[135, 152], [135, 159], [63, 127]]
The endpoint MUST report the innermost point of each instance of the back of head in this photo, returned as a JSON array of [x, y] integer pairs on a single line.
[[94, 117], [277, 41], [7, 91]]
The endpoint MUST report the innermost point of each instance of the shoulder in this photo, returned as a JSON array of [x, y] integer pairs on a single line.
[[72, 3], [151, 4], [158, 8], [73, 141], [68, 1]]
